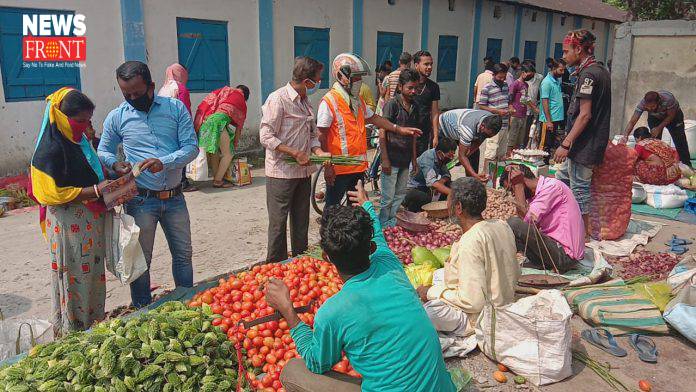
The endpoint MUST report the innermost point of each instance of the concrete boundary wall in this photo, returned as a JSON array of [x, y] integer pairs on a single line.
[[652, 55]]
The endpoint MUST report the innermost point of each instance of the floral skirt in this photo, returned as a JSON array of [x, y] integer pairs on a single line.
[[77, 248], [654, 174]]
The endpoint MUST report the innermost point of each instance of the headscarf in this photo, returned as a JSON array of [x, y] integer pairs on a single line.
[[64, 161], [174, 85], [226, 100]]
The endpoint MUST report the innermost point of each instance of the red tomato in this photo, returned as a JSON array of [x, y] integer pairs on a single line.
[[256, 361], [246, 343], [279, 333], [282, 324], [227, 313], [216, 321], [258, 341], [266, 333], [264, 350], [272, 325], [276, 384], [270, 358], [288, 355], [258, 295], [252, 333], [268, 341], [287, 339]]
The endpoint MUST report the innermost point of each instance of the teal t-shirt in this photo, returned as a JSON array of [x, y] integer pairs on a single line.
[[379, 322], [551, 89]]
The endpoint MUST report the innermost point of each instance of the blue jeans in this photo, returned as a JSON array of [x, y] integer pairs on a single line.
[[393, 193], [578, 177], [173, 216]]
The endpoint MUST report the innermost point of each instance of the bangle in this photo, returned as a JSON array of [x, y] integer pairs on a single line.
[[96, 190], [564, 147], [396, 128]]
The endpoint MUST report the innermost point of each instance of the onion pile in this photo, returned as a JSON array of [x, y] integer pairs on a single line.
[[498, 205], [401, 241], [643, 263]]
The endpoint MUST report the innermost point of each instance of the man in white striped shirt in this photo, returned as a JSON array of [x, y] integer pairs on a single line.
[[469, 127]]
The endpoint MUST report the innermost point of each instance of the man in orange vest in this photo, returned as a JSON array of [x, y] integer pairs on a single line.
[[341, 122]]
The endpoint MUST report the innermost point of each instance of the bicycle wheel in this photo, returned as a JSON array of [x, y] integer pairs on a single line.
[[318, 204]]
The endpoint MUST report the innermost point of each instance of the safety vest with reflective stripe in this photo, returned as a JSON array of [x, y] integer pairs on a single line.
[[347, 135]]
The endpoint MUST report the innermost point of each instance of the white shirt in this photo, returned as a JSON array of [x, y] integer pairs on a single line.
[[533, 90]]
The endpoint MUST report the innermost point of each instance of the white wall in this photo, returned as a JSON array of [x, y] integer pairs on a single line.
[[402, 17], [20, 121], [502, 28], [460, 23], [534, 31], [558, 31], [242, 41], [337, 16]]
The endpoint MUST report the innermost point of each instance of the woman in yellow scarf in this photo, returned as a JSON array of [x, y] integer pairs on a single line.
[[66, 179]]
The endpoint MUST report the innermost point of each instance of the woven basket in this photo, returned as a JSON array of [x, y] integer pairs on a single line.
[[437, 209]]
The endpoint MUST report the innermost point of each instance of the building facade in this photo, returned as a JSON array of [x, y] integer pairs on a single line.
[[253, 42]]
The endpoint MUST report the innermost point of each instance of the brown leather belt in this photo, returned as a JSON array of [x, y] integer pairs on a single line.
[[162, 195]]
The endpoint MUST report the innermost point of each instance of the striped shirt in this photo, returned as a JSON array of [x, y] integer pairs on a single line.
[[462, 125], [494, 96], [391, 82], [287, 118], [667, 102]]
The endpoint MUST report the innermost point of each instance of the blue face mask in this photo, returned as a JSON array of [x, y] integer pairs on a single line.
[[314, 89]]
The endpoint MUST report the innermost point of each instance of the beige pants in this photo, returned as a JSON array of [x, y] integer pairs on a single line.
[[496, 146], [225, 156], [295, 377]]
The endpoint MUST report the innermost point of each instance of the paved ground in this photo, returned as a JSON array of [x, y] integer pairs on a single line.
[[229, 231]]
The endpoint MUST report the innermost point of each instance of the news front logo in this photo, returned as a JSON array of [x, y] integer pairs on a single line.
[[54, 38]]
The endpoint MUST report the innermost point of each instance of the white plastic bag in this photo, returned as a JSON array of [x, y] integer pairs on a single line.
[[665, 196], [680, 312], [197, 170], [124, 255], [18, 336], [532, 336]]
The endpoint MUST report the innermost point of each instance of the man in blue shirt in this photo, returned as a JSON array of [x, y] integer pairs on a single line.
[[551, 114], [376, 319], [432, 176], [156, 132]]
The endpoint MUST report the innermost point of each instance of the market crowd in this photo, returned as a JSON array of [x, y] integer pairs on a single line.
[[377, 319]]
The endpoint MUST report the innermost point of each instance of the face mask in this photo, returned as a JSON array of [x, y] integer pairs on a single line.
[[499, 83], [528, 78], [78, 128], [314, 89], [355, 88], [142, 103]]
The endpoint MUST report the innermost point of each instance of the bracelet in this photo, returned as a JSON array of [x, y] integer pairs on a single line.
[[96, 190], [396, 128], [565, 147]]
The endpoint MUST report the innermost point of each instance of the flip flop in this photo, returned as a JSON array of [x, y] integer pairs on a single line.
[[644, 346], [604, 340]]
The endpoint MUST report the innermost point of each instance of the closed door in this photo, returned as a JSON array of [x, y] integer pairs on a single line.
[[558, 51], [493, 48], [389, 47], [530, 50]]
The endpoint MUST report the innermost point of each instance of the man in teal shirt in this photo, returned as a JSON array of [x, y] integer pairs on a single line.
[[551, 113], [376, 318]]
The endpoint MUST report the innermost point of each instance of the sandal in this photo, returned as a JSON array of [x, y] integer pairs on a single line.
[[644, 346], [604, 340], [222, 184]]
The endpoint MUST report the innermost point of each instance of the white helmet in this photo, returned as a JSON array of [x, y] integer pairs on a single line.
[[350, 64]]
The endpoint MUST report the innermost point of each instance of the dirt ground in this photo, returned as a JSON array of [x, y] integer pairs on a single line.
[[229, 231]]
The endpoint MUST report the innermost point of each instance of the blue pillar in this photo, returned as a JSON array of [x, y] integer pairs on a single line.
[[133, 30], [549, 33], [357, 27], [518, 30], [578, 22], [607, 32], [266, 48], [425, 24], [473, 67]]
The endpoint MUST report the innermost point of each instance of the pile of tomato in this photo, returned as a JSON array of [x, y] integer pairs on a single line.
[[268, 346]]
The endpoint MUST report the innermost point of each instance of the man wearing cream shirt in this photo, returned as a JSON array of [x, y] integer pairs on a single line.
[[482, 268]]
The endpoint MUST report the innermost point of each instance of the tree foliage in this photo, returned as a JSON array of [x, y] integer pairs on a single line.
[[656, 9]]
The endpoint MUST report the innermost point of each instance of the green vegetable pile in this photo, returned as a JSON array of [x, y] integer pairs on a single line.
[[173, 348]]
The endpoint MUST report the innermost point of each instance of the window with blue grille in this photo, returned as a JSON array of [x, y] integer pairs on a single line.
[[447, 58], [203, 51], [530, 50], [314, 42], [493, 47], [389, 47], [20, 80]]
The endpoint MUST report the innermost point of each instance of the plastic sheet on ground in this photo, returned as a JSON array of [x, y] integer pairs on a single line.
[[638, 232], [591, 269]]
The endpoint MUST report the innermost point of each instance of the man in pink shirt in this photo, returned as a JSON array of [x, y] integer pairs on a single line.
[[288, 129], [550, 205]]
